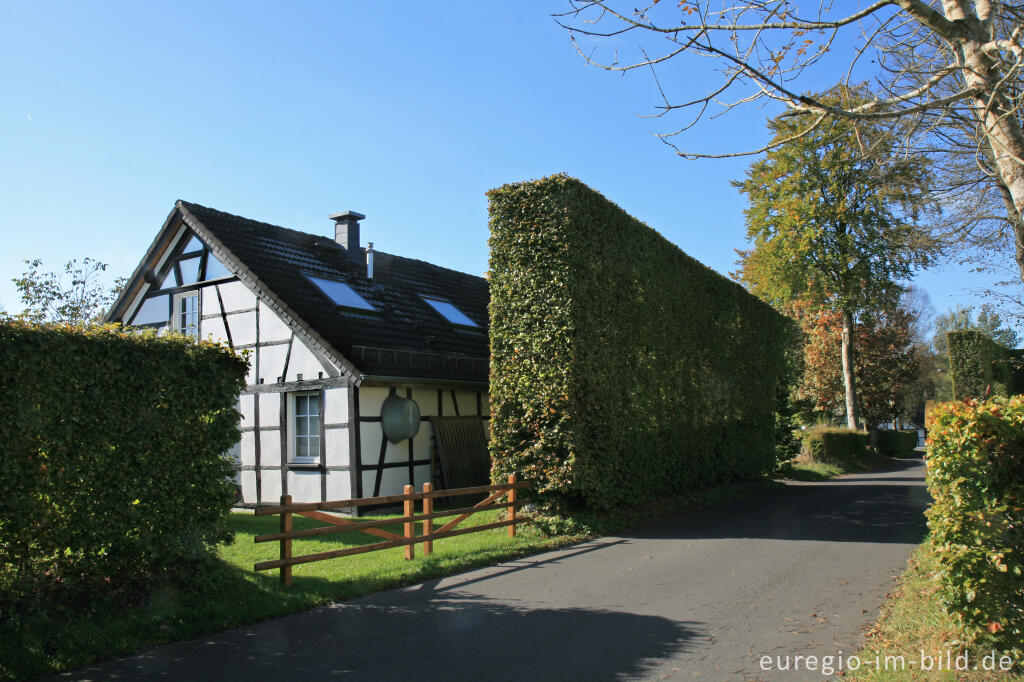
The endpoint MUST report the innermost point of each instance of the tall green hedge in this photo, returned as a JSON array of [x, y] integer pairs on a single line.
[[976, 479], [112, 464], [979, 364], [836, 445], [621, 368]]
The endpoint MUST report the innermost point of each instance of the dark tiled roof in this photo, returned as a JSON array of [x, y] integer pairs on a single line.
[[404, 337]]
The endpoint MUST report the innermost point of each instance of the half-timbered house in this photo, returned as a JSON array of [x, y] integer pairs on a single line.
[[361, 362]]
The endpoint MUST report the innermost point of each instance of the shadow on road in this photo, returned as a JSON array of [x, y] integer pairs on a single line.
[[464, 638], [871, 507]]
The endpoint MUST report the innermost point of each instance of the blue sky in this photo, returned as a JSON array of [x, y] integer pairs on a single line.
[[287, 112]]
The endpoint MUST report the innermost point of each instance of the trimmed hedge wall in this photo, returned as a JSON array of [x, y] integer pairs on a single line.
[[896, 443], [112, 466], [621, 368], [978, 363], [836, 445], [976, 478]]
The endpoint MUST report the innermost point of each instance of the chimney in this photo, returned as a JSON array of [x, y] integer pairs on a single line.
[[346, 233], [369, 261]]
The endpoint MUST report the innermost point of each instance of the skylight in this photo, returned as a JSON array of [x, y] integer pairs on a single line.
[[450, 312], [341, 293]]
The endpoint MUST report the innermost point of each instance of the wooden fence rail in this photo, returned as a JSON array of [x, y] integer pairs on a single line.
[[408, 519]]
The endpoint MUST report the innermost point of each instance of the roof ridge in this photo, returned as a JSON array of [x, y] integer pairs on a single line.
[[234, 216], [190, 205]]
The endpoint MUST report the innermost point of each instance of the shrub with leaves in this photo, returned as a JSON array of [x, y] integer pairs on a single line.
[[621, 368], [976, 478], [113, 465], [836, 445], [896, 442]]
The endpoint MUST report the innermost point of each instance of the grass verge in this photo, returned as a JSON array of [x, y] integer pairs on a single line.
[[913, 625], [224, 592]]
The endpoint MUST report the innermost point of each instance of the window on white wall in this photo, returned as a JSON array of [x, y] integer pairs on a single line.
[[305, 422], [186, 314]]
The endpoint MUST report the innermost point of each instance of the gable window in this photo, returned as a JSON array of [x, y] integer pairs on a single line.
[[449, 312], [305, 422], [340, 293], [186, 314]]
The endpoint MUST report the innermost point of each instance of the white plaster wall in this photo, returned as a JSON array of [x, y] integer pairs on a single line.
[[237, 296], [211, 306], [336, 442], [248, 448], [447, 404], [270, 409], [371, 436], [370, 400], [271, 360], [243, 328], [246, 404], [270, 448], [422, 475], [272, 327], [339, 485], [248, 487], [303, 362], [467, 403], [426, 398], [271, 486], [392, 483], [213, 329], [423, 441], [336, 407], [304, 486]]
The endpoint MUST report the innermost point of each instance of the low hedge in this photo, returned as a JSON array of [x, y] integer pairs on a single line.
[[896, 442], [976, 479], [982, 368], [112, 467], [621, 368], [835, 445]]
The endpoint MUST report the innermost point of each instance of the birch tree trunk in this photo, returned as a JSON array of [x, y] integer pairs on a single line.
[[849, 379]]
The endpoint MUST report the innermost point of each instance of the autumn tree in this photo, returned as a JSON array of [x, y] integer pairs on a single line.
[[833, 220], [945, 75], [885, 361], [75, 296]]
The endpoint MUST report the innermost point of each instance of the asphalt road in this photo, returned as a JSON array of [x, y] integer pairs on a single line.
[[796, 571]]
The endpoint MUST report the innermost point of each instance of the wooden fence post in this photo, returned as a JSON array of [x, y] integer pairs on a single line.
[[410, 527], [512, 509], [428, 524], [286, 544]]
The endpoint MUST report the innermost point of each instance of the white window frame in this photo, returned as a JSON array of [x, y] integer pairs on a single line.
[[176, 312], [293, 431]]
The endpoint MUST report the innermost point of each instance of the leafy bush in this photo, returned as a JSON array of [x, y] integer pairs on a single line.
[[621, 368], [835, 445], [113, 465], [976, 478], [896, 442], [982, 368]]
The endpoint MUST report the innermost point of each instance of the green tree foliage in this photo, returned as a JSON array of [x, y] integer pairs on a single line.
[[75, 296], [885, 364], [834, 220]]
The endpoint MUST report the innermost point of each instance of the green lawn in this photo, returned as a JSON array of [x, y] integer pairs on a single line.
[[228, 593], [913, 621]]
